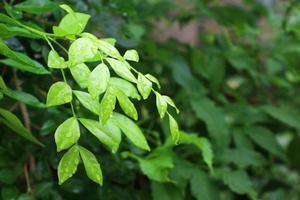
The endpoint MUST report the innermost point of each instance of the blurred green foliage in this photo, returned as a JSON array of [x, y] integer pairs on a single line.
[[237, 86]]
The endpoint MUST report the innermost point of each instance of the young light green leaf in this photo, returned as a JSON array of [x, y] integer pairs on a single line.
[[12, 121], [126, 105], [55, 61], [67, 134], [108, 49], [126, 87], [87, 101], [131, 55], [68, 164], [153, 80], [98, 80], [107, 106], [131, 130], [59, 93], [170, 102], [111, 41], [121, 69], [161, 105], [66, 8], [110, 139], [82, 50], [81, 74], [174, 129], [144, 86], [71, 24], [91, 165]]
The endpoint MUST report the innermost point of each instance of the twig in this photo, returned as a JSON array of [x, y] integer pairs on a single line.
[[27, 178], [23, 107], [27, 123]]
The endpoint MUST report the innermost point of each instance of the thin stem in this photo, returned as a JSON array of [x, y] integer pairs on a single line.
[[62, 72], [58, 44], [65, 80], [63, 75], [27, 178]]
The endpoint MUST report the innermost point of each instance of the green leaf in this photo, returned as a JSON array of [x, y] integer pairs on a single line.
[[144, 86], [242, 157], [24, 97], [131, 55], [174, 129], [12, 121], [55, 61], [161, 105], [121, 69], [37, 6], [8, 176], [153, 80], [126, 87], [285, 114], [156, 165], [91, 165], [8, 20], [126, 105], [82, 50], [24, 66], [59, 93], [68, 164], [108, 49], [2, 84], [107, 106], [67, 134], [13, 11], [108, 134], [9, 192], [20, 60], [265, 139], [131, 130], [98, 80], [214, 118], [87, 101], [202, 143], [9, 31], [238, 181], [170, 102], [81, 74], [202, 187], [166, 191]]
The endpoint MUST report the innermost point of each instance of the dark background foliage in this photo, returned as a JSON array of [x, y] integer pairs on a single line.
[[232, 67]]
